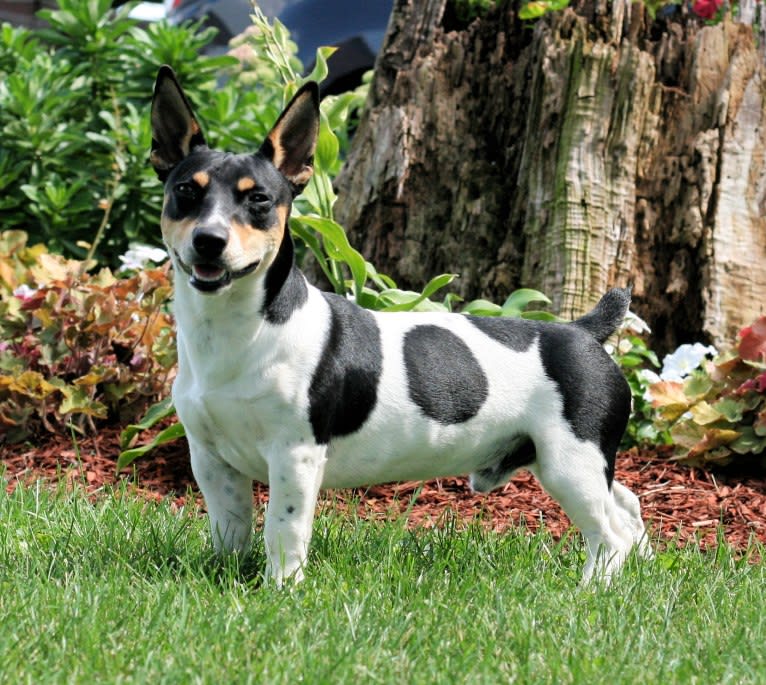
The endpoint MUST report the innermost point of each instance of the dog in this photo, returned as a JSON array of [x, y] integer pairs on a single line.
[[300, 389]]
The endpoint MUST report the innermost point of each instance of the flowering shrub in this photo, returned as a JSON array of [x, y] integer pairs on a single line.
[[77, 347], [718, 411]]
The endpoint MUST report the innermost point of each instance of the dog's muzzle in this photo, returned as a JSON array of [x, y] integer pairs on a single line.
[[209, 278]]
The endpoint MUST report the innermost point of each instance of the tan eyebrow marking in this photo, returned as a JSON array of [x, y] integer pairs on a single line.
[[245, 183], [201, 178]]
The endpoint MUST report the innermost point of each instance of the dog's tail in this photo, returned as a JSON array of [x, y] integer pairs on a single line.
[[607, 315]]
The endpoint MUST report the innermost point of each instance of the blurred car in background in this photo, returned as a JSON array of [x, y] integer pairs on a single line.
[[356, 28]]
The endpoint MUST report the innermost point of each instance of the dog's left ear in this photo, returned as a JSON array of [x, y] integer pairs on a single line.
[[291, 143], [175, 131]]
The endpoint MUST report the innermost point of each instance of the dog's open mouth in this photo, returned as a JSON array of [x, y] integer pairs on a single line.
[[209, 278]]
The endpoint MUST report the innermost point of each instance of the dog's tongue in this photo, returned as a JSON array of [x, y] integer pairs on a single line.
[[208, 272]]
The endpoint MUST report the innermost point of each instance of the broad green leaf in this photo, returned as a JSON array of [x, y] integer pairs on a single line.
[[749, 442], [334, 236], [154, 415], [482, 308], [169, 434], [539, 315], [407, 303], [731, 409], [327, 148], [520, 299]]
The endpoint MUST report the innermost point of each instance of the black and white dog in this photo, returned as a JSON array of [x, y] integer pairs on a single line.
[[302, 389]]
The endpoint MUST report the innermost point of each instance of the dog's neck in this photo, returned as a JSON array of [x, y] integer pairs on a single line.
[[270, 297]]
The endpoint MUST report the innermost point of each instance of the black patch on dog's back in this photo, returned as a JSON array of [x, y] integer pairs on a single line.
[[517, 334], [344, 387], [444, 378], [596, 395]]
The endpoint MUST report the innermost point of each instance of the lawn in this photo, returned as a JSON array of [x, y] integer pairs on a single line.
[[113, 588]]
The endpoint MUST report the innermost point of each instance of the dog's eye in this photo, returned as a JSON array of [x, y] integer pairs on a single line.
[[258, 199], [186, 190]]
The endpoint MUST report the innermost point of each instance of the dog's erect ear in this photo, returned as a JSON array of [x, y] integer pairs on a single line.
[[291, 143], [175, 131]]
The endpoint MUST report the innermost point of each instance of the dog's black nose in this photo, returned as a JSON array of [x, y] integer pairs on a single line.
[[210, 241]]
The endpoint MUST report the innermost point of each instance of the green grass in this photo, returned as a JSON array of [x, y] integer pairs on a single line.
[[121, 590]]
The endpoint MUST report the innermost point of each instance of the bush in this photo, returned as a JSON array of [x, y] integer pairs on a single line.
[[74, 113], [718, 413], [78, 347]]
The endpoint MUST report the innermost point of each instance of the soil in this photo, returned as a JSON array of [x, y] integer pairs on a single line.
[[681, 504]]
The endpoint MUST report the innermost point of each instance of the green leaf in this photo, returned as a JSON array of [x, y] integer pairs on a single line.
[[704, 414], [153, 415], [327, 148], [335, 238], [520, 299], [408, 303], [536, 315], [319, 72], [748, 442], [482, 308], [731, 409], [169, 434]]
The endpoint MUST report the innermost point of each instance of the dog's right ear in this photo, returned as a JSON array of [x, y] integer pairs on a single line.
[[175, 131]]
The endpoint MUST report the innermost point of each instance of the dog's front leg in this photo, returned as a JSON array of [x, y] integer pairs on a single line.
[[229, 499], [295, 475]]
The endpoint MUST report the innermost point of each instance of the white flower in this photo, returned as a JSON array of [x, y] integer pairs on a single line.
[[24, 291], [633, 322], [679, 364], [139, 254], [624, 346]]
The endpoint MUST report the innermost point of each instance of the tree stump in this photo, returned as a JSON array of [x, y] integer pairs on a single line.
[[593, 148]]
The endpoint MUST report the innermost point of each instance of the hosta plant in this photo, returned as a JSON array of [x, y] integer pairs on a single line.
[[718, 412]]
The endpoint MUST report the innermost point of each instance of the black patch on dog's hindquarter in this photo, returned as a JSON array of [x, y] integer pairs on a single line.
[[344, 388], [443, 377], [595, 393]]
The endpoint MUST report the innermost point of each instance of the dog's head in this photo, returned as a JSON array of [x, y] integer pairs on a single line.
[[224, 216]]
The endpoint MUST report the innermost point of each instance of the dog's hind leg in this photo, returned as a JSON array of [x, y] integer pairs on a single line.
[[295, 475], [572, 472], [229, 499], [630, 509]]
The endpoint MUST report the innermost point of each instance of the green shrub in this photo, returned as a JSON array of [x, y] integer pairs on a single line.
[[73, 111]]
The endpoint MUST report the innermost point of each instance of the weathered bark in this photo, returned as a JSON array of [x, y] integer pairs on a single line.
[[595, 149]]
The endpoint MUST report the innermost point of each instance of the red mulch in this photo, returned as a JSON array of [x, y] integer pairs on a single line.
[[680, 503]]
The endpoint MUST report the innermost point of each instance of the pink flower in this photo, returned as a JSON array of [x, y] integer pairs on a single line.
[[707, 9], [752, 344]]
